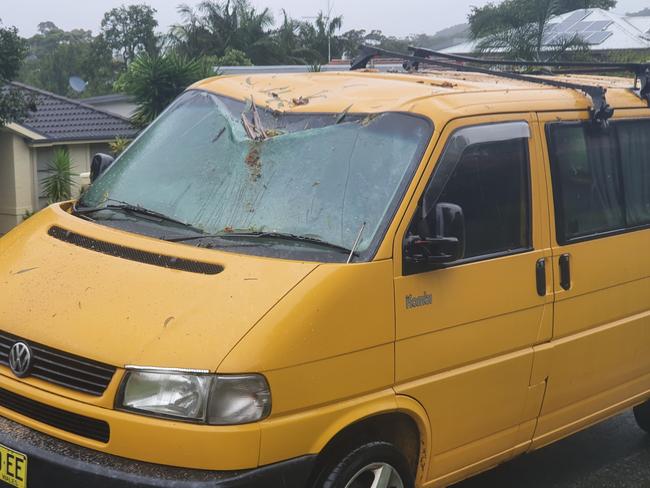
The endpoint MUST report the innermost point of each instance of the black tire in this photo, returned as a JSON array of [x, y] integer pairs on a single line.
[[340, 472], [642, 416]]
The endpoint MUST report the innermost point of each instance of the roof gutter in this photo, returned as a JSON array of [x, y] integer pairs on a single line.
[[25, 132], [69, 142]]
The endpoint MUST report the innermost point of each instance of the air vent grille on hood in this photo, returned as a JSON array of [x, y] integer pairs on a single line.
[[137, 255]]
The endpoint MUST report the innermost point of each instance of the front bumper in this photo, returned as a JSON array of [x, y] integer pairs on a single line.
[[53, 462]]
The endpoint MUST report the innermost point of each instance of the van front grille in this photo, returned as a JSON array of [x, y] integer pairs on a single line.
[[61, 368], [70, 422]]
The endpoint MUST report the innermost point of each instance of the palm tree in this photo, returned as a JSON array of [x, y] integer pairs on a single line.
[[216, 25], [320, 36], [155, 81], [517, 38], [290, 42]]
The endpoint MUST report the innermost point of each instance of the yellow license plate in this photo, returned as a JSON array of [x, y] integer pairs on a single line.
[[13, 467]]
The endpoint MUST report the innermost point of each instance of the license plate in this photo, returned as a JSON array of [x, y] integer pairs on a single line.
[[13, 467]]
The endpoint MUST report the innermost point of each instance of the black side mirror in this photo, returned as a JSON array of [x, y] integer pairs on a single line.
[[100, 163], [446, 246]]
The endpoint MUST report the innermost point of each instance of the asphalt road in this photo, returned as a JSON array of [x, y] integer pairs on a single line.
[[613, 454]]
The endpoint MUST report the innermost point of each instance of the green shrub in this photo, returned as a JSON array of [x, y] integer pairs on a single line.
[[58, 184]]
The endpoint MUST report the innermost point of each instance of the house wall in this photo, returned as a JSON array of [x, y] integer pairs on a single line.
[[81, 156], [16, 182], [7, 183]]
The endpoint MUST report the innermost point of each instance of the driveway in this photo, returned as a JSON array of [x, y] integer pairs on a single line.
[[613, 454]]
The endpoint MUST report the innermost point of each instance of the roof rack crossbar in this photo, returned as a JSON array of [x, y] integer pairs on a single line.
[[424, 52], [641, 71], [601, 111]]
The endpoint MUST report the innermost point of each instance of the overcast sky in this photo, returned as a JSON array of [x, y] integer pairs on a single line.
[[394, 17]]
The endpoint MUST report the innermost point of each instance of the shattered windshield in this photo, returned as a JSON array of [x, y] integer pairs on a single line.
[[228, 168]]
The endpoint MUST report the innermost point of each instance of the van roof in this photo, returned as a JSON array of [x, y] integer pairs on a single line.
[[429, 92]]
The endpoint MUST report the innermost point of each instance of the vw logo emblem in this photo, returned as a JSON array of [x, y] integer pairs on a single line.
[[20, 359]]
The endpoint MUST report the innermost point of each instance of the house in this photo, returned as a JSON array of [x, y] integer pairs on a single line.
[[26, 148], [603, 30], [115, 103]]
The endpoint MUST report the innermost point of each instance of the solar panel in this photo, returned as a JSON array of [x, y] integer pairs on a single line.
[[574, 18], [582, 26], [600, 25], [566, 37], [574, 26], [598, 37]]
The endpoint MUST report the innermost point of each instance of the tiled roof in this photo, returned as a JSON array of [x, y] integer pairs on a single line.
[[61, 119]]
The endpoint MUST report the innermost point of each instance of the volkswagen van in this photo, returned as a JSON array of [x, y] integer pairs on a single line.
[[333, 280]]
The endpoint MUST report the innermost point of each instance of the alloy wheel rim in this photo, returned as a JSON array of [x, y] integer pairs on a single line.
[[376, 475]]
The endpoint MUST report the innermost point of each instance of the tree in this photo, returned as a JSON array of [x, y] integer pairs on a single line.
[[350, 41], [320, 37], [641, 13], [216, 25], [13, 105], [233, 57], [129, 31], [516, 28], [55, 55], [155, 81], [290, 44]]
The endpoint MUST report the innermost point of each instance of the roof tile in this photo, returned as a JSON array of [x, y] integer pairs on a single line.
[[59, 118]]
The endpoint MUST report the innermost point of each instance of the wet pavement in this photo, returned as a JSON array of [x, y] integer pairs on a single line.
[[614, 454]]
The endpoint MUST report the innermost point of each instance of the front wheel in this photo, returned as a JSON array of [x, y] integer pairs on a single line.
[[642, 415], [373, 465]]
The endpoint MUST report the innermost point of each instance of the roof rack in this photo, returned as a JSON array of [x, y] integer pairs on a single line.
[[601, 111]]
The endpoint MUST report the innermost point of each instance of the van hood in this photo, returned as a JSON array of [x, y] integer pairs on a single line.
[[123, 312]]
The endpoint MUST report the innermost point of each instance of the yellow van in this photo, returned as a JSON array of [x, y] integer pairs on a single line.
[[335, 280]]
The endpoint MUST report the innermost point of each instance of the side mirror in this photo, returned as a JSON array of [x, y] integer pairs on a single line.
[[446, 246], [100, 163]]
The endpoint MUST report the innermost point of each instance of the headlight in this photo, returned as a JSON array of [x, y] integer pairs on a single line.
[[198, 397]]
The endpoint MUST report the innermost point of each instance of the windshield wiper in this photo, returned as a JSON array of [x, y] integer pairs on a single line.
[[269, 235], [134, 209]]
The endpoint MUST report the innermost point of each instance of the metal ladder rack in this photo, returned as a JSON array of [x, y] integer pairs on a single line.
[[601, 111]]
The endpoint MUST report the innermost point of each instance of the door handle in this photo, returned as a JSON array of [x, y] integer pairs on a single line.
[[565, 271], [540, 276]]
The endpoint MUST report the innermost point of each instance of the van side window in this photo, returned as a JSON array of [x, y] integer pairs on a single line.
[[484, 170], [634, 143], [601, 177]]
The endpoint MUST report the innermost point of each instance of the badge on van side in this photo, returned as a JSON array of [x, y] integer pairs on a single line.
[[418, 301]]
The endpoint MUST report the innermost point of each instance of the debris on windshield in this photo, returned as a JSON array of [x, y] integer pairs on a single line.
[[273, 133], [219, 134], [368, 119], [256, 117], [342, 115], [250, 132], [228, 229], [253, 163], [254, 129], [300, 101]]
